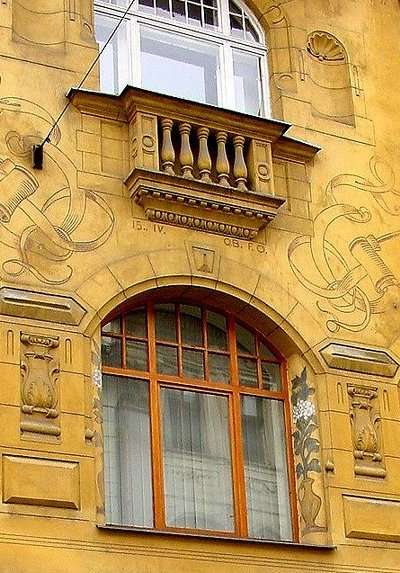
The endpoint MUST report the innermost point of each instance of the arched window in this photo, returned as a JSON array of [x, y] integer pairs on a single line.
[[195, 424], [211, 51]]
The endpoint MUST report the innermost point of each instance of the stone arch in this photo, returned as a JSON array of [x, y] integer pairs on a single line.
[[290, 327]]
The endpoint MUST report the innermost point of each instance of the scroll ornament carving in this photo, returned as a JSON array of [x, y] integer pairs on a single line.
[[39, 386], [365, 421], [306, 447], [325, 47]]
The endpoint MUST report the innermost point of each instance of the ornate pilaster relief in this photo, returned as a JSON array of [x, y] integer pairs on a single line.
[[39, 387], [367, 440]]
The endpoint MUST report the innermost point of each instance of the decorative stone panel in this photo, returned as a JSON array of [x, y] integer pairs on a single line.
[[367, 439], [39, 387]]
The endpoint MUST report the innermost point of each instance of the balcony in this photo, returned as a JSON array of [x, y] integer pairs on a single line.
[[196, 166]]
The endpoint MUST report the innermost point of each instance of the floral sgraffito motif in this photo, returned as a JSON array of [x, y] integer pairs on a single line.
[[306, 449]]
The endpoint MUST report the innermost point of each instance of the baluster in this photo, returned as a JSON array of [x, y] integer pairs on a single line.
[[186, 155], [222, 159], [167, 149], [204, 160], [239, 168]]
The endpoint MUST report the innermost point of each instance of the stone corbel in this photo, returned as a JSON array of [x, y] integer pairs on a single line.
[[39, 387]]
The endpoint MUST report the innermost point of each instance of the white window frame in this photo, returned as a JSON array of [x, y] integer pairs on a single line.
[[129, 67]]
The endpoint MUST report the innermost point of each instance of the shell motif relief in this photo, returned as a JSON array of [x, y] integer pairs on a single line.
[[325, 47]]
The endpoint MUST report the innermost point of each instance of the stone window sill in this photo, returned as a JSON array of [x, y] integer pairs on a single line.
[[213, 538]]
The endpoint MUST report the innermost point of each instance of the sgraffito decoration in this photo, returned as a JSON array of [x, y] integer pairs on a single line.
[[346, 270], [43, 213], [306, 448]]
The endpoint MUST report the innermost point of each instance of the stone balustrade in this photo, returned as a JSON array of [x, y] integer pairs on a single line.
[[196, 165]]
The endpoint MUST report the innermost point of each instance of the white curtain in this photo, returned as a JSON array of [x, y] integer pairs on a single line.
[[267, 491], [197, 461], [127, 452]]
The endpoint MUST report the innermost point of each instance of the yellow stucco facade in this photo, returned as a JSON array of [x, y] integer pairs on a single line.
[[301, 238]]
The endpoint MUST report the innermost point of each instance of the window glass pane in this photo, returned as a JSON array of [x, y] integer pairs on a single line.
[[271, 376], [136, 355], [111, 351], [167, 359], [210, 18], [233, 8], [197, 461], [146, 5], [162, 7], [194, 14], [174, 65], [178, 10], [268, 508], [191, 325], [245, 340], [246, 71], [236, 25], [216, 331], [266, 353], [165, 322], [135, 323], [251, 33], [113, 76], [248, 372], [193, 364], [112, 326], [219, 368], [127, 458]]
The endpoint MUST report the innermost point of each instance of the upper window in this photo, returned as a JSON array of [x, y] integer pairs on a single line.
[[195, 424], [210, 51]]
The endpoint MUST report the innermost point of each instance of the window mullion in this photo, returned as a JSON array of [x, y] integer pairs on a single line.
[[155, 418], [134, 44], [229, 83], [239, 486]]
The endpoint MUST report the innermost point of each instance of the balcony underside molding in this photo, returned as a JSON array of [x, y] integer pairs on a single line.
[[207, 207]]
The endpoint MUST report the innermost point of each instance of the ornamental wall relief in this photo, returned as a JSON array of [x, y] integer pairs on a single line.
[[367, 439], [346, 264], [44, 216], [307, 452], [40, 370]]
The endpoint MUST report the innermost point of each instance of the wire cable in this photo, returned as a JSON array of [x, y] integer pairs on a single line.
[[47, 138]]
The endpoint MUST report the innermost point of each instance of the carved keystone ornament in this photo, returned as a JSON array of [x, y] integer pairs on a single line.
[[39, 387]]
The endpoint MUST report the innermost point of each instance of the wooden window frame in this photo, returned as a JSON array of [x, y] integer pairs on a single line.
[[233, 391]]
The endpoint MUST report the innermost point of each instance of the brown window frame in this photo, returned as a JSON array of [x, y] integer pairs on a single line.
[[232, 390]]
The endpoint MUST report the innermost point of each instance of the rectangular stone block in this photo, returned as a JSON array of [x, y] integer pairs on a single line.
[[41, 482], [372, 518]]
